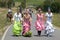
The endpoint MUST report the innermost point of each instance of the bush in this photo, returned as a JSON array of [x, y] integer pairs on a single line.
[[2, 3], [23, 4], [46, 4], [39, 6], [7, 3], [55, 6]]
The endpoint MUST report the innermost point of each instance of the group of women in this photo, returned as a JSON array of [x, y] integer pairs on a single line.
[[44, 22], [23, 24]]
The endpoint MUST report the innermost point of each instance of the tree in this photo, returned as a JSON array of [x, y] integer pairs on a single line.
[[53, 4], [46, 4], [6, 3], [23, 4]]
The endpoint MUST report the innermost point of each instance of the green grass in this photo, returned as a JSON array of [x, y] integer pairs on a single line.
[[3, 22], [56, 19], [2, 19]]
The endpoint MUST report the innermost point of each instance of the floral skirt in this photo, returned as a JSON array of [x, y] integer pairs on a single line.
[[49, 27], [26, 27]]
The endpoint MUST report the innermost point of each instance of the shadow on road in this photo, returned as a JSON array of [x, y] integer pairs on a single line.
[[16, 35], [42, 36]]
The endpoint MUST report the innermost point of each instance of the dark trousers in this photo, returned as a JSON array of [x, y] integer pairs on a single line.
[[39, 33]]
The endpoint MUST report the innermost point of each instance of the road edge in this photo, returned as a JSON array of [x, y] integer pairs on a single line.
[[5, 33]]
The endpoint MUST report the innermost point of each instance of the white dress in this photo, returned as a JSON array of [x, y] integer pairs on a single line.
[[49, 26], [17, 17], [17, 27]]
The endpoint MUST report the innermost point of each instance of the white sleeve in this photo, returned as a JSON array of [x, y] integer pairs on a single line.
[[51, 14]]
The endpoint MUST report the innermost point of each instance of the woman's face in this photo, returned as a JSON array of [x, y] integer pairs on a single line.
[[39, 10], [49, 11], [26, 12]]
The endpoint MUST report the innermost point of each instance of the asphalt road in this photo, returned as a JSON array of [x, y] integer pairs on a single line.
[[9, 35], [0, 37]]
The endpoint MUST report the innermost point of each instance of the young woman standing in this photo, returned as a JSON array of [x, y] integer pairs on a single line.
[[26, 23], [49, 27], [17, 28], [39, 24]]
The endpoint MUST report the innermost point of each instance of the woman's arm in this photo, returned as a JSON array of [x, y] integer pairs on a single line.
[[44, 18], [30, 19]]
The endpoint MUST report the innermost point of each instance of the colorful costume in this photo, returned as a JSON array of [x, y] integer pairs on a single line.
[[17, 27], [49, 27], [26, 26], [39, 22]]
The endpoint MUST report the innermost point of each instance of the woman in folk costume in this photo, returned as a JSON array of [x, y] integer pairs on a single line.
[[29, 11], [49, 27], [17, 28], [26, 23], [39, 24]]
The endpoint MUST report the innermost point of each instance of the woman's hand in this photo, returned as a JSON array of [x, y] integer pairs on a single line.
[[12, 20], [30, 19], [21, 22]]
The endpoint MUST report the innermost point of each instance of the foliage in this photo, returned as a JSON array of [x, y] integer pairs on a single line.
[[7, 3], [23, 4], [54, 5]]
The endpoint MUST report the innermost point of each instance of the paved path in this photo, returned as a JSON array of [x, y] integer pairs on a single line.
[[8, 34]]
